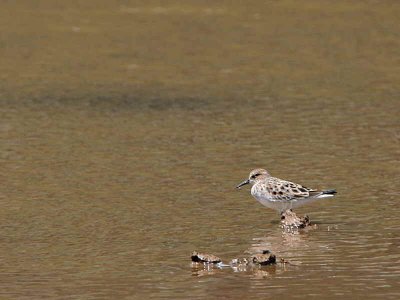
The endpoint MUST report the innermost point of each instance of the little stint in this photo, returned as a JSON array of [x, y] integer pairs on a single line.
[[279, 194]]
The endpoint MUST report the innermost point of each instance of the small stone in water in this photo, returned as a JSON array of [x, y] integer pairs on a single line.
[[205, 258]]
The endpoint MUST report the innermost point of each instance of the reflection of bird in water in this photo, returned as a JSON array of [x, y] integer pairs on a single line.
[[280, 194]]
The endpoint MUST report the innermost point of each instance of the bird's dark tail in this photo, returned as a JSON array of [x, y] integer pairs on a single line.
[[329, 192]]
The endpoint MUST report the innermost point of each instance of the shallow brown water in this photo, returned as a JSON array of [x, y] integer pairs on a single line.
[[125, 126]]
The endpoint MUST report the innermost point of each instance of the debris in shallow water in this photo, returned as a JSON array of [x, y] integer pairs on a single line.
[[205, 258], [286, 262], [264, 259], [283, 261], [239, 262], [289, 220]]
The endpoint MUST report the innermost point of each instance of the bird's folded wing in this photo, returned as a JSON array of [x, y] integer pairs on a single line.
[[286, 190]]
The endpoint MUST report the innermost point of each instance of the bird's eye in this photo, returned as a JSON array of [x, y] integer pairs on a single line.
[[254, 176]]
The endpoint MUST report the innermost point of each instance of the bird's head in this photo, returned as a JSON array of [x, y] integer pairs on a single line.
[[254, 176]]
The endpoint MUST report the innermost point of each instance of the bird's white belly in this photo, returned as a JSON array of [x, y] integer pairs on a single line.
[[279, 205]]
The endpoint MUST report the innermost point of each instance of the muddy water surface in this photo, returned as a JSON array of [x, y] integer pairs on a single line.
[[125, 126]]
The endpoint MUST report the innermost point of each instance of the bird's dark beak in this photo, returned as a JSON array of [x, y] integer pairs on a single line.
[[243, 183]]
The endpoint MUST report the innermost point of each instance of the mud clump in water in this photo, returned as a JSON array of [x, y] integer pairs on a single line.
[[289, 220], [264, 259]]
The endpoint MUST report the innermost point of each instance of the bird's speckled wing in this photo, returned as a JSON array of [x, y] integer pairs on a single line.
[[279, 189]]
